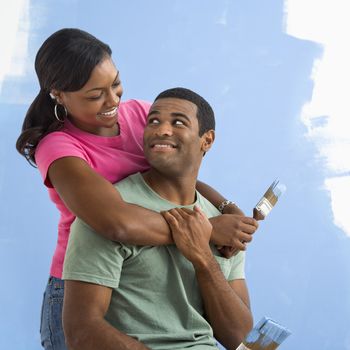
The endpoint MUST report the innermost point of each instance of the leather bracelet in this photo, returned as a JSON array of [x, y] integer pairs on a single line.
[[222, 206]]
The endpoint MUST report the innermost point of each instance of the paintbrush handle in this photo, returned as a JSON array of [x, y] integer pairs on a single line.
[[257, 215]]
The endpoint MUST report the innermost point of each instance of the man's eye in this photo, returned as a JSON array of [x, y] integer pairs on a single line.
[[179, 122]]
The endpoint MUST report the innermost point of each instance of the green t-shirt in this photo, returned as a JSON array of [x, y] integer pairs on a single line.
[[155, 296]]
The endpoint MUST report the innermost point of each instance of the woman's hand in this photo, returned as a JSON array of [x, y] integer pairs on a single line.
[[231, 232]]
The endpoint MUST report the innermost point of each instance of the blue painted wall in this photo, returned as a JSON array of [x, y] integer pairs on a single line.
[[257, 78]]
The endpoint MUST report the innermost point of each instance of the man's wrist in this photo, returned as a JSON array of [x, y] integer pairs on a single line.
[[206, 264], [203, 261]]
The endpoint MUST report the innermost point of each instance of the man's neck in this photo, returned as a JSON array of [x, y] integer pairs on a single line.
[[179, 190]]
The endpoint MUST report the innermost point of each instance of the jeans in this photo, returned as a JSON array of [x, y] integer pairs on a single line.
[[51, 330]]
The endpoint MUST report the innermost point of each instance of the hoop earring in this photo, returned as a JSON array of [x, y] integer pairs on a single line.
[[56, 113]]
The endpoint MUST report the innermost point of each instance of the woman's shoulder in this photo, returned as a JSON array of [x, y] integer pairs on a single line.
[[134, 107], [136, 103], [57, 143], [56, 137]]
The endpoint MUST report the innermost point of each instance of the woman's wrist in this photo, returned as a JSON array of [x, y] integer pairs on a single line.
[[229, 207], [224, 204]]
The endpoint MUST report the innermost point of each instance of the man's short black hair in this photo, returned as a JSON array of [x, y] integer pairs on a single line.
[[205, 114]]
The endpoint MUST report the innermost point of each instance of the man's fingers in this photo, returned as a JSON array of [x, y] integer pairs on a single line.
[[170, 218], [186, 213], [199, 211], [183, 212]]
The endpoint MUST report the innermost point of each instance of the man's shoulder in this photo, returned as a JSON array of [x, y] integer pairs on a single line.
[[134, 190], [129, 183], [207, 207]]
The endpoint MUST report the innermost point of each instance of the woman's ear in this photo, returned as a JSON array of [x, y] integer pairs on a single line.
[[207, 140], [56, 95]]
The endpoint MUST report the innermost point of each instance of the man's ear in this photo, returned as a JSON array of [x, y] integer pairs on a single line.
[[207, 140]]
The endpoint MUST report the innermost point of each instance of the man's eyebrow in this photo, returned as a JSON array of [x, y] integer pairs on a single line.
[[173, 114], [101, 88], [154, 111], [179, 114]]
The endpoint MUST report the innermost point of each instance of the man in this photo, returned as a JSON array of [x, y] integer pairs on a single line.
[[119, 296]]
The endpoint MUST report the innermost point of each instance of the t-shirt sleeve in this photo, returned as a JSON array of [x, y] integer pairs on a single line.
[[54, 146], [92, 258], [132, 121], [142, 108], [237, 267]]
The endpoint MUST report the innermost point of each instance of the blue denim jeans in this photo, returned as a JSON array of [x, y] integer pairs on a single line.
[[51, 330]]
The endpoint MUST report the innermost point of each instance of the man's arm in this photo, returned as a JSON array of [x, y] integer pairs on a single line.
[[96, 201], [85, 328], [226, 304]]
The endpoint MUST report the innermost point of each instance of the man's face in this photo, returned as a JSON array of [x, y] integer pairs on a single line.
[[171, 141]]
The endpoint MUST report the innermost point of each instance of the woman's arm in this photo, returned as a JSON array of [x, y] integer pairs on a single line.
[[242, 227], [215, 198], [97, 202]]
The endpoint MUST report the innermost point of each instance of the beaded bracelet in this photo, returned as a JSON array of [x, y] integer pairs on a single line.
[[222, 206]]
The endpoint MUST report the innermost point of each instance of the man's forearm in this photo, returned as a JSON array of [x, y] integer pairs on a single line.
[[228, 315], [99, 334]]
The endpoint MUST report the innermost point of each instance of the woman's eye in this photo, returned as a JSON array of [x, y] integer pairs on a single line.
[[116, 84], [93, 98]]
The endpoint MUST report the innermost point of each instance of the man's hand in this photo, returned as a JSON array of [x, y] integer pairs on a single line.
[[191, 231]]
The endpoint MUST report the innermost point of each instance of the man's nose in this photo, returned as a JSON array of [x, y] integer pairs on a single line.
[[164, 129]]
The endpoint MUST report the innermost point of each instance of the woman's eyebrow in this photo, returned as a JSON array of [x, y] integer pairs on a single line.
[[101, 88]]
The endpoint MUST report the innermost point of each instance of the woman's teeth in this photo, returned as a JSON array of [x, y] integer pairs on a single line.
[[110, 113]]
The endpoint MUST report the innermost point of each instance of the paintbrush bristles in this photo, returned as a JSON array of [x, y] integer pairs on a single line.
[[270, 196], [268, 201], [266, 335]]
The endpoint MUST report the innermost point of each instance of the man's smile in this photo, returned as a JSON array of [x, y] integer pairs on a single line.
[[162, 145]]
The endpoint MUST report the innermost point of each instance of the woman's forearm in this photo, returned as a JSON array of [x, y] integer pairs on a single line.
[[97, 202], [215, 198]]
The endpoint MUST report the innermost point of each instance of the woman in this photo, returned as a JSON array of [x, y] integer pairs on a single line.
[[82, 139]]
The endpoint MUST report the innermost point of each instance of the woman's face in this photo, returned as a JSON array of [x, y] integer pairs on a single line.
[[94, 108]]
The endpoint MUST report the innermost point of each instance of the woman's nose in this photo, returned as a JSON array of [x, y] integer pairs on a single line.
[[112, 99]]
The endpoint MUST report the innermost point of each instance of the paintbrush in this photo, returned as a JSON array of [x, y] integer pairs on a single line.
[[266, 335], [268, 200]]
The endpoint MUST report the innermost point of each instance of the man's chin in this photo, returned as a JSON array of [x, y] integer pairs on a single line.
[[164, 166]]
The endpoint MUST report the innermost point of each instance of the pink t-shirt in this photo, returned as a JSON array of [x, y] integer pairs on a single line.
[[112, 157]]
